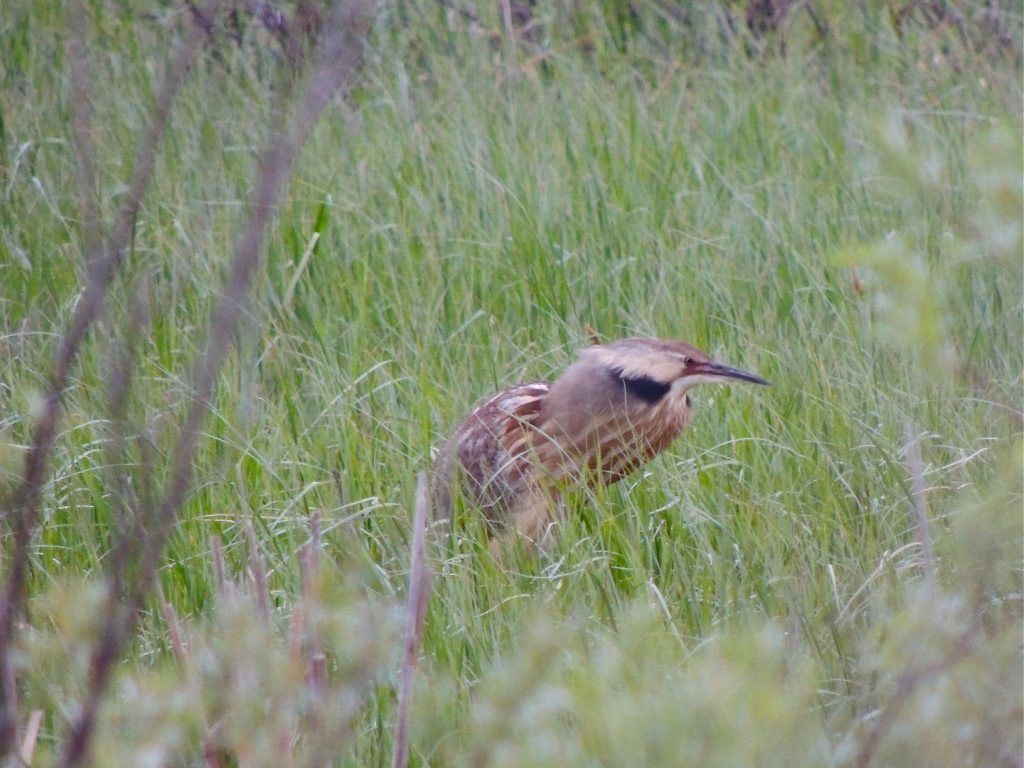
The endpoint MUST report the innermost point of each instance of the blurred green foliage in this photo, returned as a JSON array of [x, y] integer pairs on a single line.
[[834, 202]]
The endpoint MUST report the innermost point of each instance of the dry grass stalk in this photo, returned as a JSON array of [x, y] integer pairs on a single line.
[[415, 612]]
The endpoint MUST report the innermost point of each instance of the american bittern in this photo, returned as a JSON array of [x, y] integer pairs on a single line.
[[616, 407]]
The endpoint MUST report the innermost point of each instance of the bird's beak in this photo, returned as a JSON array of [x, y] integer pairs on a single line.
[[718, 372]]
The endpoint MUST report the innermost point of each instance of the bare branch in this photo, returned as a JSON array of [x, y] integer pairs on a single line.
[[28, 744], [415, 612], [907, 685], [339, 55], [919, 492], [23, 511], [258, 570], [173, 627], [309, 565]]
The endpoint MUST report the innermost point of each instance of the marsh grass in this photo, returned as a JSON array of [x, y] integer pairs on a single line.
[[843, 219]]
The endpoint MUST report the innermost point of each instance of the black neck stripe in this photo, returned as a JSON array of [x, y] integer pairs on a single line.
[[643, 388]]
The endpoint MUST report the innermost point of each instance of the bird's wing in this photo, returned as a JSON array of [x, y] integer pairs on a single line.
[[493, 438], [515, 413], [490, 449]]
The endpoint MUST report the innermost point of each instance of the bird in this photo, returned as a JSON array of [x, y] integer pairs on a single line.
[[613, 409]]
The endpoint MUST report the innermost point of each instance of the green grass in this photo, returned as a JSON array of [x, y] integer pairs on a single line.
[[754, 595]]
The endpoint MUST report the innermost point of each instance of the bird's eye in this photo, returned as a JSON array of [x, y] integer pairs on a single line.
[[687, 361]]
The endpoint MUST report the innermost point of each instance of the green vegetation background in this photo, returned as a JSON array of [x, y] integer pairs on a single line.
[[838, 210]]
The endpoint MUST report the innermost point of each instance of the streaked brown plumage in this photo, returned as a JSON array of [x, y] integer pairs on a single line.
[[616, 407]]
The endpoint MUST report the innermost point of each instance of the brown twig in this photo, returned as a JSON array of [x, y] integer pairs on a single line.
[[220, 574], [907, 685], [309, 564], [28, 744], [305, 640], [23, 512], [173, 623], [919, 494], [338, 56], [415, 612], [179, 646], [323, 737], [592, 335], [258, 571]]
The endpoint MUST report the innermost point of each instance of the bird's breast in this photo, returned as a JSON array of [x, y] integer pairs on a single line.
[[611, 442], [663, 424]]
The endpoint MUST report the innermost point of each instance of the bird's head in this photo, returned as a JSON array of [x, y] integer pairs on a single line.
[[653, 368]]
